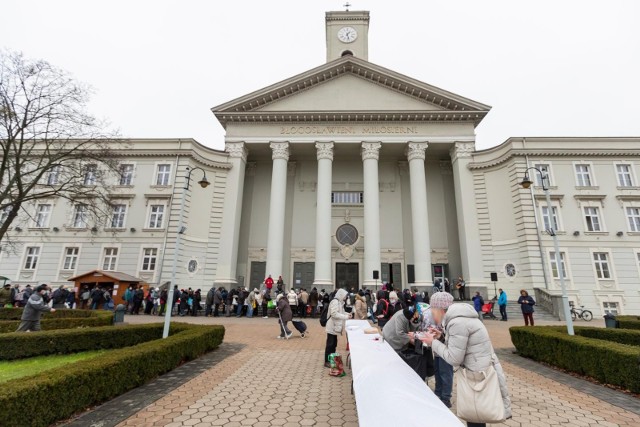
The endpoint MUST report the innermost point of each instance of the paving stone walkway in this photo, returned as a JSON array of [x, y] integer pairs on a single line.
[[271, 382]]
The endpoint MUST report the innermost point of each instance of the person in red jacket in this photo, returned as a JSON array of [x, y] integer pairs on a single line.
[[268, 282]]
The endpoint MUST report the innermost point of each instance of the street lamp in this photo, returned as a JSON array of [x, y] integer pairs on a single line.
[[204, 183], [544, 178]]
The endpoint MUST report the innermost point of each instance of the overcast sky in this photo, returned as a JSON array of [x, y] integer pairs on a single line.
[[547, 67]]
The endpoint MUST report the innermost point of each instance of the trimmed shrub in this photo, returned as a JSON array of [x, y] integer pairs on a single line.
[[61, 319], [621, 336], [628, 322], [59, 393], [606, 361], [64, 341]]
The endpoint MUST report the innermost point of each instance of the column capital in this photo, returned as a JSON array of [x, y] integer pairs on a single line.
[[416, 150], [371, 150], [324, 150], [462, 150], [237, 150], [279, 150]]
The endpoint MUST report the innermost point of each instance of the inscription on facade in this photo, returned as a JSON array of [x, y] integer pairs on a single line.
[[347, 130]]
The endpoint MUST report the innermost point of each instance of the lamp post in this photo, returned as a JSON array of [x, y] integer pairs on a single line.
[[544, 178], [204, 183]]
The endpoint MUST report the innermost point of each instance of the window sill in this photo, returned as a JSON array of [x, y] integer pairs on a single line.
[[596, 233], [592, 187], [76, 228], [153, 229], [38, 228], [160, 187], [126, 186], [633, 233], [115, 229], [558, 233], [622, 188]]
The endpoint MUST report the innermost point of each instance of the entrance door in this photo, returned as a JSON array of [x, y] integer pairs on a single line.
[[347, 275], [257, 276], [392, 273], [303, 273]]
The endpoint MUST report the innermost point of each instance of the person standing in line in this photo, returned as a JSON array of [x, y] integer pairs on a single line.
[[502, 303], [467, 343], [526, 304], [313, 301], [478, 302], [59, 297], [336, 318], [303, 299], [361, 306], [461, 285], [259, 298], [251, 302], [286, 316], [15, 291], [217, 300], [30, 320], [268, 283], [292, 298], [280, 285], [5, 295], [266, 297], [208, 302]]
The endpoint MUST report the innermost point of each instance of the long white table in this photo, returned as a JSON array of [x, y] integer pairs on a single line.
[[388, 392]]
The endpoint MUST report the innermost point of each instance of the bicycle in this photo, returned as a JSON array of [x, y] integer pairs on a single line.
[[581, 313]]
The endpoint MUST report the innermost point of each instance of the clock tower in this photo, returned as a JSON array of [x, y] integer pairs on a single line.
[[347, 33]]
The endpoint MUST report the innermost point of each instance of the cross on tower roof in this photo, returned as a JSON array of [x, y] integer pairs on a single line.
[[347, 5]]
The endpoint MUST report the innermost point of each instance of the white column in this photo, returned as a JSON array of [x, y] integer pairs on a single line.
[[470, 249], [419, 214], [322, 273], [232, 213], [275, 233], [370, 154]]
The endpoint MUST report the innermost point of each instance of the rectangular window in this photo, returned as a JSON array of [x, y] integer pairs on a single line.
[[70, 258], [163, 174], [126, 174], [592, 218], [347, 198], [601, 262], [43, 212], [31, 260], [633, 216], [583, 176], [149, 256], [80, 216], [53, 175], [110, 258], [117, 216], [156, 214], [554, 265], [547, 220], [625, 178], [610, 308], [90, 175], [546, 171]]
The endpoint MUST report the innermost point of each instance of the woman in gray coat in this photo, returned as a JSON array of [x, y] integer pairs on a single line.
[[286, 316], [467, 342]]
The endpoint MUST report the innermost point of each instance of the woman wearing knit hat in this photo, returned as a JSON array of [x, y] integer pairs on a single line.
[[467, 344]]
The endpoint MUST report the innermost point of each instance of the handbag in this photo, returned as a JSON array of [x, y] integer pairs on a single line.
[[479, 396], [271, 304]]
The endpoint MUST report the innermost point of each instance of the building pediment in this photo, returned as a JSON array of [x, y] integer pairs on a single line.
[[350, 89]]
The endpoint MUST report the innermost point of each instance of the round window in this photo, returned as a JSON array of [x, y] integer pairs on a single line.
[[192, 266], [347, 234]]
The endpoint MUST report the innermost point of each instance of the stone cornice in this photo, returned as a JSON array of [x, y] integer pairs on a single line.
[[173, 153], [554, 153]]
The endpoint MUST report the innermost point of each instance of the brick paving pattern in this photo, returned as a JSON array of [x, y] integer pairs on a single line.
[[272, 382]]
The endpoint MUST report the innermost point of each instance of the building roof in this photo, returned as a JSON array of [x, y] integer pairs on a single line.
[[117, 275]]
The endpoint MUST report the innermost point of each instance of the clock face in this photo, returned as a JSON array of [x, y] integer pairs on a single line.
[[347, 34], [510, 270]]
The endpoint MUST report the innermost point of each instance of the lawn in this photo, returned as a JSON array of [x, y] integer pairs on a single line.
[[14, 369]]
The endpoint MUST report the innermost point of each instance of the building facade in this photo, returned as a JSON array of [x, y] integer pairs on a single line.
[[351, 174]]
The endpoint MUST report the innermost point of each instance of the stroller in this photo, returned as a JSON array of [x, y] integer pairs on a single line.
[[487, 310]]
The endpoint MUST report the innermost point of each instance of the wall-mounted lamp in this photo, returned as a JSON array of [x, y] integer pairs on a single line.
[[94, 229], [56, 229], [576, 233], [18, 229], [619, 234], [132, 229]]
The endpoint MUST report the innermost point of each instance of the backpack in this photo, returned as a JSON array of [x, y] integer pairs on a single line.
[[324, 317], [386, 308]]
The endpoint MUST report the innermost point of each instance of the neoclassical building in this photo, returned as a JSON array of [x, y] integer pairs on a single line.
[[351, 174]]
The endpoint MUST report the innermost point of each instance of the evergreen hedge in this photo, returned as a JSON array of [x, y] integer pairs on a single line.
[[59, 393], [607, 361], [628, 322], [60, 319], [620, 336]]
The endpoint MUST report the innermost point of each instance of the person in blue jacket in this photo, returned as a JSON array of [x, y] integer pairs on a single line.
[[502, 303], [478, 302]]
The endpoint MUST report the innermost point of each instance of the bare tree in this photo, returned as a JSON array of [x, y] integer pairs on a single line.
[[51, 146]]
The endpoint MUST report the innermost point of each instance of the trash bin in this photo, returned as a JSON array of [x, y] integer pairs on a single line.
[[118, 316], [610, 321]]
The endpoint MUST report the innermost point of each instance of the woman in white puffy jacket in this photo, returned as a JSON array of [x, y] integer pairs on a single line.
[[336, 318]]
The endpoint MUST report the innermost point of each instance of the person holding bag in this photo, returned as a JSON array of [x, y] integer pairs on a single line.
[[482, 387]]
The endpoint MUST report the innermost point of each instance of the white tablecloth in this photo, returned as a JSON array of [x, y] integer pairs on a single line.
[[388, 392]]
